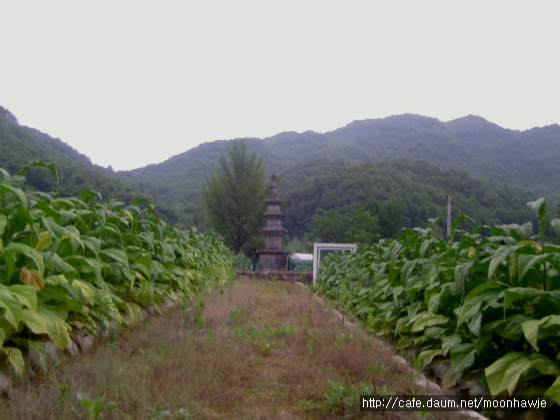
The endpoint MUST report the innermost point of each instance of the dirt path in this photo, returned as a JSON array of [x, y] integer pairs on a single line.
[[255, 349]]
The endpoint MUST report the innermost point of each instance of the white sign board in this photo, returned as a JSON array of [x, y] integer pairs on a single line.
[[320, 250]]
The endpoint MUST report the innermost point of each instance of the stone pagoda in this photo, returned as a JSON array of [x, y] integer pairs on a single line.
[[273, 257]]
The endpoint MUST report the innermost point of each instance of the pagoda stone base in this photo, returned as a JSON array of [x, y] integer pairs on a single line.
[[271, 259], [295, 276]]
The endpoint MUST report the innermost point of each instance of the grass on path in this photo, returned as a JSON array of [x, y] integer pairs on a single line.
[[254, 349]]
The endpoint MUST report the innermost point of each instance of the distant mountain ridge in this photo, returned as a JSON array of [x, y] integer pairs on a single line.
[[403, 148], [21, 146], [527, 159]]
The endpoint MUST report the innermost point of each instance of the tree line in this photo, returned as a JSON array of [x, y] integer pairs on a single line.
[[324, 199], [336, 201]]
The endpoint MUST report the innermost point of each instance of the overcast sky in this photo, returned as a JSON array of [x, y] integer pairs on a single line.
[[129, 83]]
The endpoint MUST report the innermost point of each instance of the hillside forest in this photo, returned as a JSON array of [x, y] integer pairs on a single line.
[[377, 176]]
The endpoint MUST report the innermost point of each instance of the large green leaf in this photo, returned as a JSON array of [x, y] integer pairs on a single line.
[[10, 264], [43, 241], [425, 357], [50, 166], [105, 307], [462, 357], [514, 294], [12, 307], [86, 291], [14, 358], [89, 195], [73, 236], [86, 265], [116, 255], [38, 323], [425, 319], [461, 275], [16, 191], [526, 262], [508, 328], [407, 269], [503, 252], [142, 263], [55, 264], [27, 295], [449, 342], [475, 298], [504, 373], [553, 391], [539, 207], [167, 254], [57, 328], [3, 224], [555, 224], [39, 348], [133, 310], [30, 253], [93, 244], [533, 327]]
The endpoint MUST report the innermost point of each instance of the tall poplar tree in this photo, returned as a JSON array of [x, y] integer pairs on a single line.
[[233, 195]]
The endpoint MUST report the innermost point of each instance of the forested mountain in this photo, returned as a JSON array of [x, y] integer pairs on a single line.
[[418, 188], [527, 159], [400, 160], [21, 146]]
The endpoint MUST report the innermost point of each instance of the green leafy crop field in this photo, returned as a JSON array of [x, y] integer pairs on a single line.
[[84, 263], [486, 302]]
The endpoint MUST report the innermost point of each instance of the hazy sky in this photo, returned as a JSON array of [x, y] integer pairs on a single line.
[[129, 83]]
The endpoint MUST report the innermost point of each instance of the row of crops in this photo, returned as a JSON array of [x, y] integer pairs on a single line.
[[487, 302], [85, 263]]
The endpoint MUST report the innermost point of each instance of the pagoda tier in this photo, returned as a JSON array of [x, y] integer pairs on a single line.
[[273, 257]]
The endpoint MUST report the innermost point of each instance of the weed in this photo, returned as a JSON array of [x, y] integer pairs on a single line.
[[266, 348], [94, 409], [342, 400], [198, 314], [64, 392], [344, 338], [377, 368], [310, 347], [306, 405], [236, 315], [61, 386], [180, 414], [254, 332], [274, 286], [265, 332], [238, 332], [282, 331]]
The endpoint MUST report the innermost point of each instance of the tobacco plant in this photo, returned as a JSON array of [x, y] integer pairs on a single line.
[[84, 263], [485, 301]]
